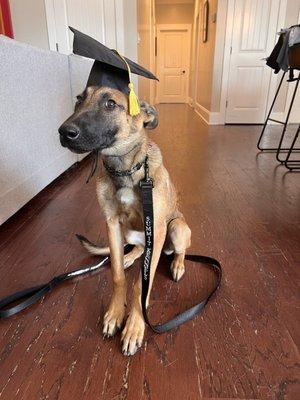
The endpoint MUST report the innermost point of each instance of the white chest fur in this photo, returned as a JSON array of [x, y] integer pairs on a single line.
[[126, 196], [135, 237]]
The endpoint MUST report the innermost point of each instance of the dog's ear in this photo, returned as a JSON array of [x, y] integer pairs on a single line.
[[149, 114]]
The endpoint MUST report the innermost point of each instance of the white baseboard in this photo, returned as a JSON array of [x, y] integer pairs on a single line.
[[202, 112], [216, 118], [209, 117]]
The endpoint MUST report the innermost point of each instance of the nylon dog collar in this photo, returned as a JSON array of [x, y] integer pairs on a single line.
[[126, 172]]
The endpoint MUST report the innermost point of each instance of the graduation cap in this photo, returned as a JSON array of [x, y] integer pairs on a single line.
[[110, 68]]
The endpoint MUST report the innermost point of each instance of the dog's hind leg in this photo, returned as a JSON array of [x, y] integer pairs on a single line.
[[179, 235], [114, 317]]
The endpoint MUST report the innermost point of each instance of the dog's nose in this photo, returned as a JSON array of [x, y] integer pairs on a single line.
[[70, 132]]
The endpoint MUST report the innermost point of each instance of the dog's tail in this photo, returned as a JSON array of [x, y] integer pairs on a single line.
[[93, 248]]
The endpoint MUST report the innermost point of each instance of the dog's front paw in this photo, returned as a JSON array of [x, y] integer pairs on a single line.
[[177, 269], [133, 333], [113, 320]]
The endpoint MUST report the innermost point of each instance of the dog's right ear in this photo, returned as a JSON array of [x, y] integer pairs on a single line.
[[149, 114]]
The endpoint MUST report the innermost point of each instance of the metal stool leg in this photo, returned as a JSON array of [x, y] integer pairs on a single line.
[[279, 150], [292, 164], [268, 118]]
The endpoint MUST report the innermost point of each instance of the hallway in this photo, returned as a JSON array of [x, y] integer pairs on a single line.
[[243, 210]]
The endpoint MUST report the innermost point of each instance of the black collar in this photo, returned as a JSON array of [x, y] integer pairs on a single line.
[[126, 172]]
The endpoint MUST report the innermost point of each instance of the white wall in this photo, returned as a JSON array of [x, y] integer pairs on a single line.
[[205, 63], [29, 22]]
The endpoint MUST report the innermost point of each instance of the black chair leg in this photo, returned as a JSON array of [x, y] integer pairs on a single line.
[[279, 150], [293, 164]]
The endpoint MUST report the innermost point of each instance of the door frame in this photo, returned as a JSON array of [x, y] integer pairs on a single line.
[[194, 54], [175, 27], [227, 57]]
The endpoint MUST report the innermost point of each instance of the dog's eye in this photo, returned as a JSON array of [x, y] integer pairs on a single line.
[[110, 104]]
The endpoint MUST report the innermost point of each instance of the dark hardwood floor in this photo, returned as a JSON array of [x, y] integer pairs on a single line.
[[242, 208]]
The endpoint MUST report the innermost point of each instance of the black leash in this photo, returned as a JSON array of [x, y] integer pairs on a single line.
[[25, 298], [146, 186]]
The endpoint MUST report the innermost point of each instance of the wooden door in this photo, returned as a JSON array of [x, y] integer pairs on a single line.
[[173, 63], [253, 38]]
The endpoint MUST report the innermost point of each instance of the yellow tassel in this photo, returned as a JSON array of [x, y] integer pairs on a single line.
[[134, 105]]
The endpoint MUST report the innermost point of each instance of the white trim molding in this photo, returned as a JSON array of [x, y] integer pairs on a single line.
[[209, 117]]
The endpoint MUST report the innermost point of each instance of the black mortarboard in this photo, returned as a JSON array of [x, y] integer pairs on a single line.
[[110, 68]]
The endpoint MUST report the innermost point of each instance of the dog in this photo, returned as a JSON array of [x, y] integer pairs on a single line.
[[101, 121]]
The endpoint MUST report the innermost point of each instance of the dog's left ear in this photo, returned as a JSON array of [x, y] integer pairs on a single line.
[[149, 114]]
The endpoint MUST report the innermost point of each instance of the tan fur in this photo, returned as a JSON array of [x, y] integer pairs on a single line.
[[95, 250], [123, 212]]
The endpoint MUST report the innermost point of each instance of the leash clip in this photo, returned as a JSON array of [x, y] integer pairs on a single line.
[[147, 182]]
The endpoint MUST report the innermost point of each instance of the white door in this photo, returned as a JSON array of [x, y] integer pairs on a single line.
[[173, 63], [253, 38], [101, 19]]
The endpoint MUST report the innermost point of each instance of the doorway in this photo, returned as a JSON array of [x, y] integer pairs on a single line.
[[253, 37], [173, 63]]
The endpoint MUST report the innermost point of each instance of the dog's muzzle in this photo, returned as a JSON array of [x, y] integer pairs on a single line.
[[68, 134]]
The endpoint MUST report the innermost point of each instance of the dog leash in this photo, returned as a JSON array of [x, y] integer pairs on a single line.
[[147, 186], [19, 301]]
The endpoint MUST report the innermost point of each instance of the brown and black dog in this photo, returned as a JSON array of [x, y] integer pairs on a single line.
[[101, 121]]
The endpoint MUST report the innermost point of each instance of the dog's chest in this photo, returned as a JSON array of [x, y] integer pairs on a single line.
[[127, 197], [129, 208]]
